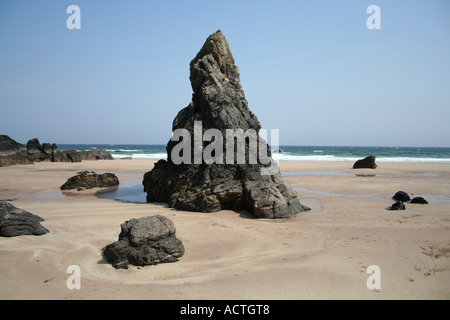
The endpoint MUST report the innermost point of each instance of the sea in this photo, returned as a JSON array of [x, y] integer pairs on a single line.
[[291, 153]]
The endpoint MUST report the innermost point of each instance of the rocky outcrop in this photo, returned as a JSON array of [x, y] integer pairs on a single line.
[[95, 154], [35, 151], [219, 104], [89, 180], [367, 162], [16, 222], [145, 241], [400, 197], [12, 153]]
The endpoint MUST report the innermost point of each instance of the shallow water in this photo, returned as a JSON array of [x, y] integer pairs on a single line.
[[333, 172], [43, 196], [340, 195], [130, 191], [330, 172], [429, 197]]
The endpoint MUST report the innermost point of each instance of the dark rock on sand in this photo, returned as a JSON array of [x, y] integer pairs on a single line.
[[419, 200], [367, 162], [399, 205], [219, 103], [35, 153], [401, 196], [145, 241], [89, 180], [15, 222], [12, 152]]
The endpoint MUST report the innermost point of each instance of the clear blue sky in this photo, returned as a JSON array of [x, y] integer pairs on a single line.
[[309, 68]]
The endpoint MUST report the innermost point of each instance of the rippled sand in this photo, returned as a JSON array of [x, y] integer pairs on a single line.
[[320, 254]]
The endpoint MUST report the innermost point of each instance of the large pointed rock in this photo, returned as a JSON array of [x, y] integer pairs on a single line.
[[219, 103]]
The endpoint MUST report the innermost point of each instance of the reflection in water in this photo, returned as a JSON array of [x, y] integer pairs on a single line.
[[130, 191]]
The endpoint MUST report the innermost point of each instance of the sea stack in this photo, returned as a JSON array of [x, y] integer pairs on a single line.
[[228, 179]]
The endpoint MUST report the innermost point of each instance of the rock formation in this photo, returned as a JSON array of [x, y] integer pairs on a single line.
[[15, 222], [12, 153], [367, 162], [145, 241], [218, 103], [35, 151], [95, 154], [89, 180]]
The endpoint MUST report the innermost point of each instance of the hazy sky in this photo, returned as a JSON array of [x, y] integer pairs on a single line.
[[309, 68]]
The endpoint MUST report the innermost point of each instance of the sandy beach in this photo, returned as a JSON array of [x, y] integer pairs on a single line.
[[319, 254]]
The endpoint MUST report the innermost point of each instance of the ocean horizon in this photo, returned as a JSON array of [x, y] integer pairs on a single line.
[[291, 153]]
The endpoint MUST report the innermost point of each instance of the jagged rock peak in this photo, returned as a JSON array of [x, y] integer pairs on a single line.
[[219, 103], [215, 56], [218, 99]]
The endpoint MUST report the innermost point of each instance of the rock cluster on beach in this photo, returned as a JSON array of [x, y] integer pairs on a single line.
[[16, 222], [95, 154], [145, 241], [88, 180], [401, 197], [219, 103], [12, 153]]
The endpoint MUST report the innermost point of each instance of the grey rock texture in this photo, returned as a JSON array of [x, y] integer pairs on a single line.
[[145, 241], [89, 180], [16, 222], [219, 103]]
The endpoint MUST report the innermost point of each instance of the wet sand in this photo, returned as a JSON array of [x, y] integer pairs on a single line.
[[319, 254]]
